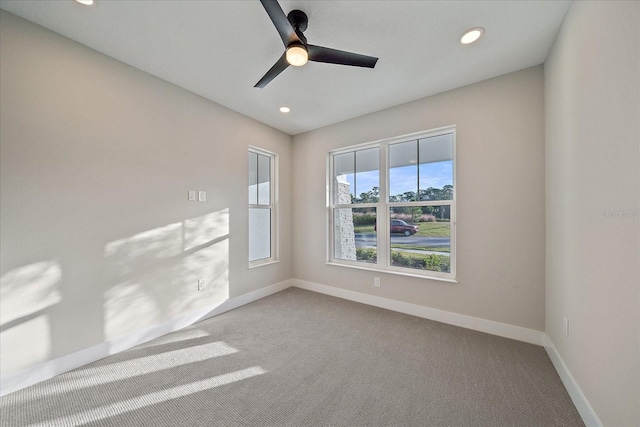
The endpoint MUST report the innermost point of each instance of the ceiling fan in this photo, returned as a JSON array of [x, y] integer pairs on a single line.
[[297, 50]]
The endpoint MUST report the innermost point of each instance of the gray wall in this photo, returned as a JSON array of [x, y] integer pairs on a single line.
[[500, 211], [592, 95], [98, 238]]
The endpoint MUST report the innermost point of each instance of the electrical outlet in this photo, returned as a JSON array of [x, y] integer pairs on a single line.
[[192, 196], [565, 326], [202, 284], [376, 282]]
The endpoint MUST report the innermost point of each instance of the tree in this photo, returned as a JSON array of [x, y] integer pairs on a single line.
[[371, 196], [416, 213], [447, 191]]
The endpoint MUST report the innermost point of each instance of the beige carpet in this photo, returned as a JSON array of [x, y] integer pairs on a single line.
[[299, 358]]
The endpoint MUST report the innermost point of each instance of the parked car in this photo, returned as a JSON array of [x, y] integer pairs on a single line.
[[399, 226]]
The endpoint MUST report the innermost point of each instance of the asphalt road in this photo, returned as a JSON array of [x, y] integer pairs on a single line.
[[369, 240]]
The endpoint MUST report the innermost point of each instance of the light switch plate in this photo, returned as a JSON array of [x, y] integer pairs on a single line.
[[202, 196], [192, 196]]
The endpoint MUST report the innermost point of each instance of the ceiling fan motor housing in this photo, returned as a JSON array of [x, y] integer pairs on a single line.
[[298, 19]]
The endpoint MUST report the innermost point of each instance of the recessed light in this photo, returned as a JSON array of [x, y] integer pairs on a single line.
[[285, 109], [85, 2], [471, 35]]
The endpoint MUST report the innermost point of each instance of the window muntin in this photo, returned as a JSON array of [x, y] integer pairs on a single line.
[[262, 218], [415, 186]]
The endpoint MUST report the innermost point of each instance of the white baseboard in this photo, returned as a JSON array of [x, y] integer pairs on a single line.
[[45, 370], [477, 324], [579, 400]]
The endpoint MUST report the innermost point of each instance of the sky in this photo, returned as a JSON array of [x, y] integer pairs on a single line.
[[403, 179]]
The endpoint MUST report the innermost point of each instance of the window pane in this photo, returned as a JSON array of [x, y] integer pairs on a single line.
[[436, 168], [421, 237], [367, 178], [259, 233], [403, 171], [343, 178], [253, 178], [264, 180], [355, 234]]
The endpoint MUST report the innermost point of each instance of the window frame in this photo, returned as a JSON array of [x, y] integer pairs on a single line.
[[383, 263], [272, 207]]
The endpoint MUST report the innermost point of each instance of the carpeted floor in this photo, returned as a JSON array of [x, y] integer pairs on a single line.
[[298, 358]]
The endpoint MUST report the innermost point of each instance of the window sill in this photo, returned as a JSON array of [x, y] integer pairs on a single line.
[[256, 264], [396, 272]]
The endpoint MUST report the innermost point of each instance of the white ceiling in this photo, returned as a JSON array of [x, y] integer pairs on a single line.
[[220, 49]]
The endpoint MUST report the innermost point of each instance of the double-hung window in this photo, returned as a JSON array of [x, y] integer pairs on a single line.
[[391, 205], [262, 207]]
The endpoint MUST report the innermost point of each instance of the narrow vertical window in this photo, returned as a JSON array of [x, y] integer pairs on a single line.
[[262, 207]]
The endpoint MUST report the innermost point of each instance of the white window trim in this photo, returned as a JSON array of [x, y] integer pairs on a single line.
[[382, 210], [273, 206]]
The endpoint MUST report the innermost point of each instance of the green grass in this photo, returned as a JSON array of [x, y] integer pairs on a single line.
[[434, 229], [426, 229]]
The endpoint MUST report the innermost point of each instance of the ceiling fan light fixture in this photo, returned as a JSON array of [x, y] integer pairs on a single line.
[[284, 109], [297, 51], [471, 35], [297, 55]]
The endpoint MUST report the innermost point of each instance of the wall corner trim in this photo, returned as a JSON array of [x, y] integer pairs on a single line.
[[477, 324], [45, 370], [579, 400]]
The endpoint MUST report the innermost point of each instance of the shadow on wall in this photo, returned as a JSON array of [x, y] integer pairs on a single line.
[[147, 279], [154, 275], [26, 295]]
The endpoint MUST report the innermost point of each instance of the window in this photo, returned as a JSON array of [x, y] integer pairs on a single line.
[[355, 181], [392, 205], [262, 207]]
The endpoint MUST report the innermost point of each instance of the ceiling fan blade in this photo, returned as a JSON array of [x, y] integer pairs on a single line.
[[333, 56], [282, 24], [277, 68]]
